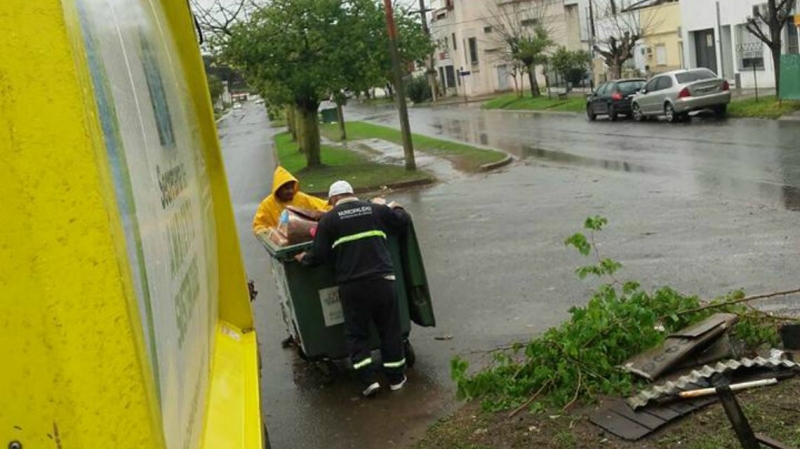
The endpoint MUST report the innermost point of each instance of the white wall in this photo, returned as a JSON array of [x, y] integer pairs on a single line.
[[702, 14], [468, 20]]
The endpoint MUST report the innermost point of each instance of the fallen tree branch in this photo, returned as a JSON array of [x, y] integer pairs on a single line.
[[531, 399], [737, 301], [577, 391], [497, 349]]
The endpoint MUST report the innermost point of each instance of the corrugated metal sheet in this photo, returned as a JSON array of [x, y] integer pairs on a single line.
[[697, 376]]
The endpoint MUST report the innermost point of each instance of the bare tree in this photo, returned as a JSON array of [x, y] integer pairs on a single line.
[[520, 26], [217, 18], [777, 15], [618, 31]]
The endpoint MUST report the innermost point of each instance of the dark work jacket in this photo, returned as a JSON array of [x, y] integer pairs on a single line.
[[354, 237]]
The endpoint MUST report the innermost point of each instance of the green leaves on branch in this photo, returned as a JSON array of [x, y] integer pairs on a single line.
[[595, 223], [579, 359], [580, 242], [604, 267]]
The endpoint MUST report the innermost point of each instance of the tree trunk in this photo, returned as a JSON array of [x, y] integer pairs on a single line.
[[434, 86], [291, 122], [309, 133], [299, 129], [342, 128], [616, 70], [776, 63], [532, 78]]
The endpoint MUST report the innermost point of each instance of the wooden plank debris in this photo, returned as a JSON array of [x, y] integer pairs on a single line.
[[617, 418], [676, 348]]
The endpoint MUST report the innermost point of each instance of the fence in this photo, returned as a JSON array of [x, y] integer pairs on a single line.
[[790, 77]]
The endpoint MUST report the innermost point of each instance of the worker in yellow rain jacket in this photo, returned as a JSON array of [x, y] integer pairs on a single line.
[[285, 192]]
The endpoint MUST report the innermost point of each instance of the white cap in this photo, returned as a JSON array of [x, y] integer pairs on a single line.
[[340, 188]]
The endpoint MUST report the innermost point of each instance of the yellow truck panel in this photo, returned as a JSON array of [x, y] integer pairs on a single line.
[[123, 300]]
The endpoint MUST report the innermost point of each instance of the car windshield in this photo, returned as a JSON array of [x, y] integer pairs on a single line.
[[629, 87], [694, 75]]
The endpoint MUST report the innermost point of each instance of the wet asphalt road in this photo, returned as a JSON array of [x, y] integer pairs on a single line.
[[704, 207]]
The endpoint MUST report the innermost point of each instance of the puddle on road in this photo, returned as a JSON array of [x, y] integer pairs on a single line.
[[791, 198], [784, 195], [583, 161]]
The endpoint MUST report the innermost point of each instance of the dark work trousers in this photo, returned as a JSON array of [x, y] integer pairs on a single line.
[[373, 301]]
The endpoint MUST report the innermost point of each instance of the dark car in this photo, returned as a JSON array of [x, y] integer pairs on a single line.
[[613, 98]]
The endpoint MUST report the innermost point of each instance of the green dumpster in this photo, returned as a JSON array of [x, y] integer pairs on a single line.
[[330, 115], [310, 306]]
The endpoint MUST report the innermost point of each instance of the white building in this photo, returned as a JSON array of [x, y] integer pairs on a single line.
[[468, 42], [721, 43]]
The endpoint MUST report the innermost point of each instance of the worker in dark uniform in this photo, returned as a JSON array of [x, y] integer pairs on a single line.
[[354, 237]]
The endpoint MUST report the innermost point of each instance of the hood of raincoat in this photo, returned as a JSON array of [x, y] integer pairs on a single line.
[[281, 177]]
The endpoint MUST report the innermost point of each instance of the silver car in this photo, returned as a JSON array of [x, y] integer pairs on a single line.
[[676, 94]]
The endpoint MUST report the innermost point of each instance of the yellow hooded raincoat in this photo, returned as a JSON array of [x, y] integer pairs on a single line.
[[269, 211]]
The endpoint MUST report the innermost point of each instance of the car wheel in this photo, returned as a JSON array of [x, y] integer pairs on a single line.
[[612, 113], [721, 110], [669, 112], [590, 113], [637, 113]]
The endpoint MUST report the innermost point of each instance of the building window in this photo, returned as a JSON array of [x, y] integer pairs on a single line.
[[487, 30], [441, 16], [528, 22], [750, 50], [455, 47], [793, 41], [473, 50], [661, 55]]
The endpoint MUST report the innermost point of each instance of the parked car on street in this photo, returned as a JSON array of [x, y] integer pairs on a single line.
[[676, 94], [613, 98]]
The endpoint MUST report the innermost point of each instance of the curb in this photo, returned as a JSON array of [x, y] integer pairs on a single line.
[[495, 165], [395, 186], [225, 115], [536, 111]]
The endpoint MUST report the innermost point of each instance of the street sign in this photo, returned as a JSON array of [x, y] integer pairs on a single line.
[[464, 73]]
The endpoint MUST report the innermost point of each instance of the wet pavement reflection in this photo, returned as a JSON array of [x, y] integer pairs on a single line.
[[730, 157]]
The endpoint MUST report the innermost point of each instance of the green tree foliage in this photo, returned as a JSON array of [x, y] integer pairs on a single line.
[[572, 65], [531, 50], [215, 88], [299, 52], [418, 89]]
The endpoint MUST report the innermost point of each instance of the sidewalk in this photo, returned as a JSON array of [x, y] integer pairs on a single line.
[[793, 117], [448, 101], [750, 93]]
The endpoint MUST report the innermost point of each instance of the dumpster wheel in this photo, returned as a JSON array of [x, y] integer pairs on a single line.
[[411, 356]]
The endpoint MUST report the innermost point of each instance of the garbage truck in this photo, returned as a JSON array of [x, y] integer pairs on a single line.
[[126, 320]]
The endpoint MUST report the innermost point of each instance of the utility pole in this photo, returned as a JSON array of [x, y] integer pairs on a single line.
[[430, 71], [718, 32], [400, 91], [591, 40]]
